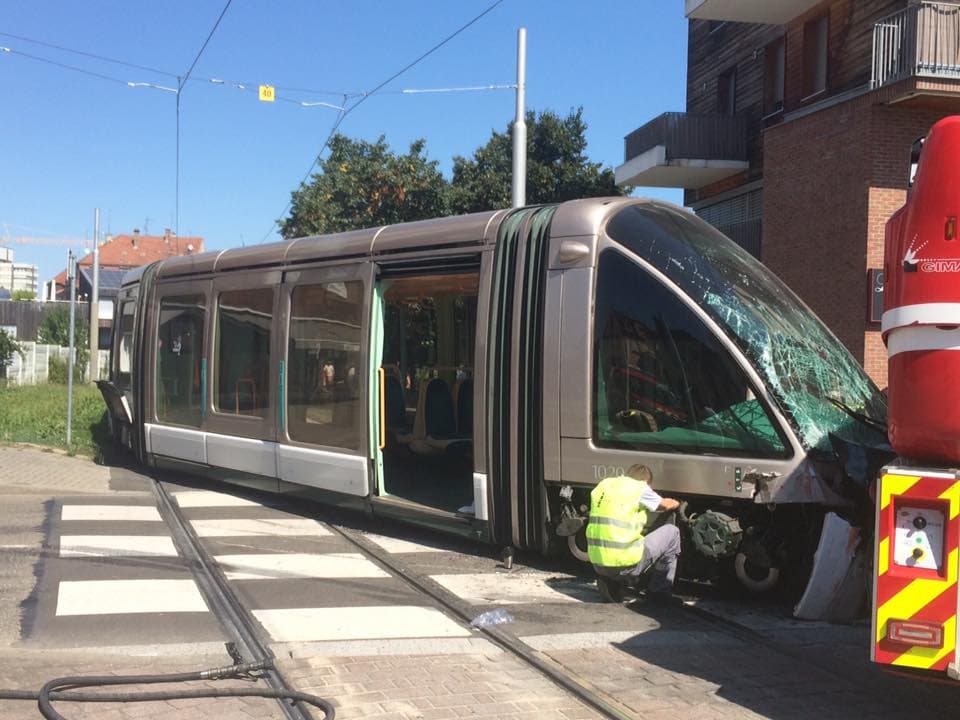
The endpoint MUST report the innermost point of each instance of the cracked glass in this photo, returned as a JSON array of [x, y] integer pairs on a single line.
[[818, 384]]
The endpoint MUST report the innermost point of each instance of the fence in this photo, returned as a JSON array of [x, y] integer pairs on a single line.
[[920, 40], [34, 366], [26, 316]]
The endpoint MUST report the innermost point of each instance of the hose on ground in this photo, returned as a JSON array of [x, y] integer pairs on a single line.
[[62, 689]]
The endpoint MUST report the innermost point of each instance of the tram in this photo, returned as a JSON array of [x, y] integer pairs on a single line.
[[480, 374]]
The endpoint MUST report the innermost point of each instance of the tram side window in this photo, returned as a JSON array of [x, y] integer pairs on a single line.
[[244, 319], [124, 347], [662, 381], [324, 365], [179, 351]]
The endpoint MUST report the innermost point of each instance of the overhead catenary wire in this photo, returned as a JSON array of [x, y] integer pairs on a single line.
[[102, 58], [343, 114]]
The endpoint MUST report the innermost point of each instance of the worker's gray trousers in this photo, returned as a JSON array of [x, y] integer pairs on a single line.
[[660, 551]]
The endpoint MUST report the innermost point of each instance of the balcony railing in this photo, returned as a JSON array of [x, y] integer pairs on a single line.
[[920, 40], [688, 135]]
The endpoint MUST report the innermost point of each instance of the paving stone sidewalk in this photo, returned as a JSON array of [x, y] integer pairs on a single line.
[[26, 670]]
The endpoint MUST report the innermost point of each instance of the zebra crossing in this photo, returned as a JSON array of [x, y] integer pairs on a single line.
[[117, 580]]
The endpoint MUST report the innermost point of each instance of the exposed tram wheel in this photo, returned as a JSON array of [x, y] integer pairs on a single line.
[[577, 544], [755, 577]]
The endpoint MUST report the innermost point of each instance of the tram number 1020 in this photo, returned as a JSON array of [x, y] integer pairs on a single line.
[[604, 471]]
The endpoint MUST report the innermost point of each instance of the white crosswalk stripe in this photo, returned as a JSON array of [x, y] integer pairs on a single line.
[[208, 498], [252, 527], [116, 545], [516, 587], [298, 565], [109, 597], [357, 623], [111, 513]]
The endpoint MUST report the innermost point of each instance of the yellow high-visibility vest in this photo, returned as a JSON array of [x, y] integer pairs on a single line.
[[617, 519]]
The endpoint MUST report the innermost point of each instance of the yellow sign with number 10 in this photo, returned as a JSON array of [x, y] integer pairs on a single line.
[[268, 93]]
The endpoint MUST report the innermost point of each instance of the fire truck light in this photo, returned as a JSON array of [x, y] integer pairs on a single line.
[[913, 632]]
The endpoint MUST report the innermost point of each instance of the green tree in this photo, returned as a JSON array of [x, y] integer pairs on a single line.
[[557, 167], [8, 346], [23, 295], [362, 184], [54, 329]]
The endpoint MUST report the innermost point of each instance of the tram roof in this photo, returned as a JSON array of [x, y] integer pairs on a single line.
[[573, 218]]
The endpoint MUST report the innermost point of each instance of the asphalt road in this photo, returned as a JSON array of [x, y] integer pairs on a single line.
[[90, 582]]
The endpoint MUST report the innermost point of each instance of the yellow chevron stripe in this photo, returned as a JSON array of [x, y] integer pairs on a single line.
[[891, 485], [924, 657], [915, 596], [953, 495], [883, 556]]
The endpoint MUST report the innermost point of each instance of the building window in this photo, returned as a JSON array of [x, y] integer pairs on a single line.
[[324, 365], [815, 51], [727, 91], [244, 318], [774, 65]]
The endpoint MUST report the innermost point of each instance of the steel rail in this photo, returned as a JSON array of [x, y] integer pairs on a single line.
[[556, 673], [222, 601]]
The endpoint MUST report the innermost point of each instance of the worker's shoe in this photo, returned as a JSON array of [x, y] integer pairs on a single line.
[[610, 590]]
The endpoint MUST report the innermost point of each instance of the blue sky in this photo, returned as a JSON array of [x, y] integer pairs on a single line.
[[70, 142]]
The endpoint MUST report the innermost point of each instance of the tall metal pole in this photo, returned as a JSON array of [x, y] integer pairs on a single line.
[[519, 184], [95, 302], [176, 224], [71, 274]]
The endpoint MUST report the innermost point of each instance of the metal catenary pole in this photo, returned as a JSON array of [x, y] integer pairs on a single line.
[[94, 302], [519, 183], [71, 273]]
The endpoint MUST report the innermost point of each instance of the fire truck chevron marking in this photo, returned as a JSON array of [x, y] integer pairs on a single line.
[[915, 596], [900, 594], [896, 485]]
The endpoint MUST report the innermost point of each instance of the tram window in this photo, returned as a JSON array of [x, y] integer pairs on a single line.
[[242, 363], [124, 348], [324, 365], [429, 330], [179, 351], [662, 381]]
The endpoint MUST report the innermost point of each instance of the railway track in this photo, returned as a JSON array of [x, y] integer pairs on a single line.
[[249, 639], [251, 646]]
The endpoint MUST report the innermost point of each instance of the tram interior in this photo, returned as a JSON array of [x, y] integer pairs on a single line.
[[428, 351]]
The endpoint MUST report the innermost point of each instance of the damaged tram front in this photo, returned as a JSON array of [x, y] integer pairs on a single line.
[[481, 374], [707, 368]]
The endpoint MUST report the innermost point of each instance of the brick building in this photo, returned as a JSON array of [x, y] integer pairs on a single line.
[[797, 133]]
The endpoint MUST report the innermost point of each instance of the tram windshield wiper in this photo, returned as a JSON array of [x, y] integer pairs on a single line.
[[863, 418]]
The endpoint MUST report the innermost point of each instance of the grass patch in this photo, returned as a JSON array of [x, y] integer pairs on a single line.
[[37, 414]]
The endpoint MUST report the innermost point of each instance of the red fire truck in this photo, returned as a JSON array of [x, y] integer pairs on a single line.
[[918, 499]]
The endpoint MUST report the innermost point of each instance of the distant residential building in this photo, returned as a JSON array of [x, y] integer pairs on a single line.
[[16, 276], [797, 134], [121, 253]]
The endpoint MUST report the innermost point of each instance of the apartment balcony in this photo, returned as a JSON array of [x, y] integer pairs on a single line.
[[770, 12], [684, 150], [920, 42]]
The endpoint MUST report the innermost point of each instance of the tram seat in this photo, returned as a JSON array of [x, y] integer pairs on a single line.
[[463, 395], [435, 430]]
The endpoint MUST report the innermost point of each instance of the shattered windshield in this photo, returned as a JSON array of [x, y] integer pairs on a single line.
[[817, 382]]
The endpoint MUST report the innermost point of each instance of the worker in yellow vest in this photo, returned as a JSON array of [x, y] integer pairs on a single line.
[[618, 549]]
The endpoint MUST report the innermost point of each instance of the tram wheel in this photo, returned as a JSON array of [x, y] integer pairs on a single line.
[[577, 545], [755, 577]]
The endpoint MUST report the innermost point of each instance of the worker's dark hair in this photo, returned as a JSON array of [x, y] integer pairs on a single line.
[[640, 472]]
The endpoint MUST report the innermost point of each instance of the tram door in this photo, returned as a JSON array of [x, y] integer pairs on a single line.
[[426, 342], [322, 424]]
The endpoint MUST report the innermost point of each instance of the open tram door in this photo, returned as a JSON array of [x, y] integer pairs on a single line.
[[424, 367]]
